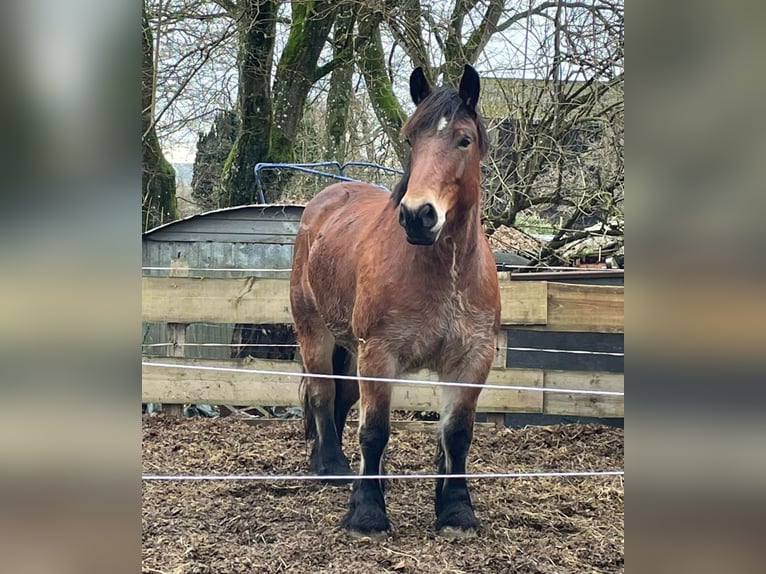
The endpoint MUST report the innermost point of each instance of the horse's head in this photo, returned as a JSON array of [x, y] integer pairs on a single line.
[[448, 140]]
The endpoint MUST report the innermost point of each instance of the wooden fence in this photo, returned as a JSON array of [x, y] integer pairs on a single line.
[[540, 319]]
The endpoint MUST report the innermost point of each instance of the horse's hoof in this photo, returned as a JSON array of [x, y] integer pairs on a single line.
[[365, 520], [453, 533], [334, 468], [374, 536]]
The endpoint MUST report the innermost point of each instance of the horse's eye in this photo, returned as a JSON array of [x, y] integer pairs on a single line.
[[464, 142]]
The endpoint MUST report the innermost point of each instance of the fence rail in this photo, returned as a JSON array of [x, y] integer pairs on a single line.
[[570, 310], [548, 305]]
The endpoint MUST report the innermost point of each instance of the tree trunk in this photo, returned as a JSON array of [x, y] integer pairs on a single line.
[[297, 70], [270, 123], [339, 95], [158, 178], [256, 22], [373, 67]]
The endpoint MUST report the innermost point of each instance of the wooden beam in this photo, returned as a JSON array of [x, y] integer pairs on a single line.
[[181, 385], [197, 300], [592, 308], [184, 385], [501, 350], [585, 405], [176, 334], [523, 302], [539, 304]]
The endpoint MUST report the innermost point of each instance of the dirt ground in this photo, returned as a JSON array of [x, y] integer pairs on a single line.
[[539, 525]]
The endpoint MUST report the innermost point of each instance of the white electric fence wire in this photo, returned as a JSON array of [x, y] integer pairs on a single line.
[[311, 477], [566, 351], [503, 266], [381, 379], [218, 270], [219, 345], [570, 351]]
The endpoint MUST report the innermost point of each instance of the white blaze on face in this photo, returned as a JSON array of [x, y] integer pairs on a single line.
[[442, 124]]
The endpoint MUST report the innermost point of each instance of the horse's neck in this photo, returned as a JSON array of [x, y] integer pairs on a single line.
[[466, 230]]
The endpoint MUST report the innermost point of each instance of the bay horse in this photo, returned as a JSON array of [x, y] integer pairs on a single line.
[[387, 283]]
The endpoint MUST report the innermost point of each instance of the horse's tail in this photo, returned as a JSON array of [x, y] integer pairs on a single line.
[[339, 367]]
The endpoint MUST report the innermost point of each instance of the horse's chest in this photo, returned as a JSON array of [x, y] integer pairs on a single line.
[[450, 329]]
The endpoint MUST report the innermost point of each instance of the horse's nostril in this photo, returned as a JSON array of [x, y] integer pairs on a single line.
[[427, 214], [402, 216]]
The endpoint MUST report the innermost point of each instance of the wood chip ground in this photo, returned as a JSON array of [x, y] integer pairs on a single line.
[[540, 525]]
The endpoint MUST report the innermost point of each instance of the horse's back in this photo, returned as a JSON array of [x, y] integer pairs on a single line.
[[340, 204]]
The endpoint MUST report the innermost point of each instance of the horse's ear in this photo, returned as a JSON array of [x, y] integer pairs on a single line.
[[469, 88], [419, 87]]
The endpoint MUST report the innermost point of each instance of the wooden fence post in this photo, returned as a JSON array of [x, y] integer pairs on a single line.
[[176, 334]]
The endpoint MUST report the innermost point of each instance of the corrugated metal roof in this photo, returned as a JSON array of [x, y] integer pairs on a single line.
[[223, 211], [274, 223]]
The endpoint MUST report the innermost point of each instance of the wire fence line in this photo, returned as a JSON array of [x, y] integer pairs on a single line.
[[428, 476], [218, 270], [297, 346], [270, 372], [504, 267], [171, 344], [346, 477]]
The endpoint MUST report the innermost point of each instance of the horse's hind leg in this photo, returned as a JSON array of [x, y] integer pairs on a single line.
[[346, 391], [319, 401]]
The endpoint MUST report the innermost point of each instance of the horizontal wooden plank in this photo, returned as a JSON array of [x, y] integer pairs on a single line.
[[593, 308], [182, 385], [566, 340], [584, 405], [198, 300], [523, 303], [185, 385], [549, 306], [506, 401]]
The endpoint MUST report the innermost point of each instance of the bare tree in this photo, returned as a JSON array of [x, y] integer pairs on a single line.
[[552, 77], [195, 50], [158, 180], [559, 158]]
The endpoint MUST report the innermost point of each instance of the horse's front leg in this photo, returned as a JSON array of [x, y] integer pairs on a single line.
[[455, 516], [366, 514]]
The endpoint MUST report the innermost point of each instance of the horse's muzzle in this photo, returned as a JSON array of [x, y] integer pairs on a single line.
[[420, 223]]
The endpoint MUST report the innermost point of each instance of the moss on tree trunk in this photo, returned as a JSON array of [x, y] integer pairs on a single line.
[[373, 66], [339, 94], [269, 122], [256, 25], [296, 72]]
